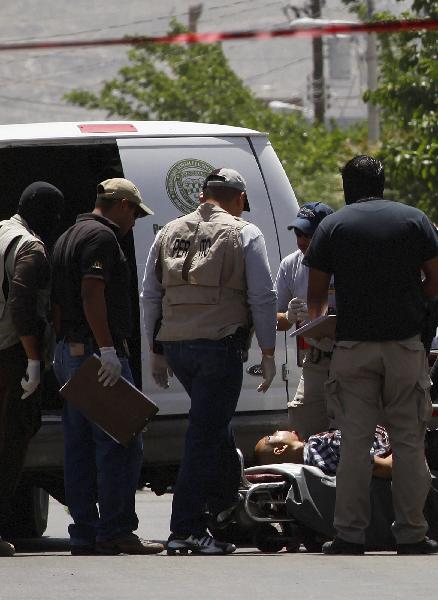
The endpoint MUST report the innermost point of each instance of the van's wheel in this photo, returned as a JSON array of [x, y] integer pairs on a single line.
[[30, 513], [267, 539]]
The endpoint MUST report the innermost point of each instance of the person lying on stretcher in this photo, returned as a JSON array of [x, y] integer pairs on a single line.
[[321, 450]]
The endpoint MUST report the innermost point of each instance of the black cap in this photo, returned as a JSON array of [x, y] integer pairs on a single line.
[[310, 216]]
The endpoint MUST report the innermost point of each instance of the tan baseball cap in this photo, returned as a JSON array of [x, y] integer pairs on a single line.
[[119, 188]]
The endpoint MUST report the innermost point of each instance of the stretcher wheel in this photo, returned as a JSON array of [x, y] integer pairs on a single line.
[[268, 539], [293, 546], [293, 537]]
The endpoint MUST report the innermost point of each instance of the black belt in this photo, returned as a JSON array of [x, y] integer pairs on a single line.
[[239, 336]]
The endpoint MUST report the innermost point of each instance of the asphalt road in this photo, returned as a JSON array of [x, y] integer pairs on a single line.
[[44, 570]]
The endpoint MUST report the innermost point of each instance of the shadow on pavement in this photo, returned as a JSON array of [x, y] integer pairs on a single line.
[[42, 545]]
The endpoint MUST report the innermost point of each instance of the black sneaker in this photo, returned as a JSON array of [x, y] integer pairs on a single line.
[[203, 544], [340, 546], [426, 546]]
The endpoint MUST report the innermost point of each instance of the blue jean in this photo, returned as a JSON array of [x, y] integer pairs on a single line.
[[97, 470], [211, 372]]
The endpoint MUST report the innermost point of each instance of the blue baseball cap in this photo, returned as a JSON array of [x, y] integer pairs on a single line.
[[310, 216]]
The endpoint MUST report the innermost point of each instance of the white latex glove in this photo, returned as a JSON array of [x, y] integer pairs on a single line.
[[325, 344], [111, 369], [297, 310], [32, 379], [160, 370], [268, 370]]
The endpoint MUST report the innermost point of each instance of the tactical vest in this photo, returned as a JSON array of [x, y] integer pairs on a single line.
[[13, 234], [202, 270]]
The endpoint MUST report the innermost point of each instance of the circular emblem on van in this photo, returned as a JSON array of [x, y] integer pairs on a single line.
[[184, 182]]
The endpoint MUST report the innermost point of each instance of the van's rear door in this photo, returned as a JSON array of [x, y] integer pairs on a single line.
[[169, 173], [284, 210]]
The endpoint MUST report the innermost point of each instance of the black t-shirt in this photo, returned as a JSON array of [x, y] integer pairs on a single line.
[[375, 248], [90, 248]]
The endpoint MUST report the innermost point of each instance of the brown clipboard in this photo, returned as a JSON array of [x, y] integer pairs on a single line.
[[120, 410], [321, 327]]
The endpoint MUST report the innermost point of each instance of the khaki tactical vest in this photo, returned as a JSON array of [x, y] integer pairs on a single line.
[[13, 234], [202, 270]]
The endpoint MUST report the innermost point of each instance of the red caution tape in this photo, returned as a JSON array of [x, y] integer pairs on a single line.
[[212, 37]]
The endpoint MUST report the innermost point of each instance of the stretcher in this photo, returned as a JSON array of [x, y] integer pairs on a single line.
[[292, 506]]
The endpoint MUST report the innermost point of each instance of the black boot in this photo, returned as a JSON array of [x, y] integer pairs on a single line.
[[426, 546], [340, 546]]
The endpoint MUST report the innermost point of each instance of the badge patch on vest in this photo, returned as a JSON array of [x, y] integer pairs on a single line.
[[184, 182], [180, 248], [204, 247]]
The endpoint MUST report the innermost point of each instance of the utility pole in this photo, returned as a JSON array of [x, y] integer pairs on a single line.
[[371, 56], [195, 11], [318, 84]]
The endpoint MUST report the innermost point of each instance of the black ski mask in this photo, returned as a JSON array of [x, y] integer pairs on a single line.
[[41, 205]]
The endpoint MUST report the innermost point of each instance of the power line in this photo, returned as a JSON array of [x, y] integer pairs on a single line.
[[44, 78], [82, 68], [280, 68], [39, 102], [166, 17], [99, 29], [263, 6]]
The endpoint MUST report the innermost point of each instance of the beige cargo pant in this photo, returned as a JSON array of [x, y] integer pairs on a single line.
[[307, 412], [366, 379]]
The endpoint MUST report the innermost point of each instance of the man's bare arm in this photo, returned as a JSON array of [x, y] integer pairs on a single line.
[[31, 346], [430, 283], [317, 293], [94, 304]]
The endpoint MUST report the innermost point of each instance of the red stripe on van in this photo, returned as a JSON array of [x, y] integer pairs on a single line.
[[107, 128]]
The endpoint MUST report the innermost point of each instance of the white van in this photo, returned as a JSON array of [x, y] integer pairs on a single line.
[[168, 161]]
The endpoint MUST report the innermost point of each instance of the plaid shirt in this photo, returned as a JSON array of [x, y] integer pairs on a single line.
[[323, 450]]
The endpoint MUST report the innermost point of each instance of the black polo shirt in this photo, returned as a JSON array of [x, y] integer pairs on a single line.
[[90, 248], [375, 249]]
